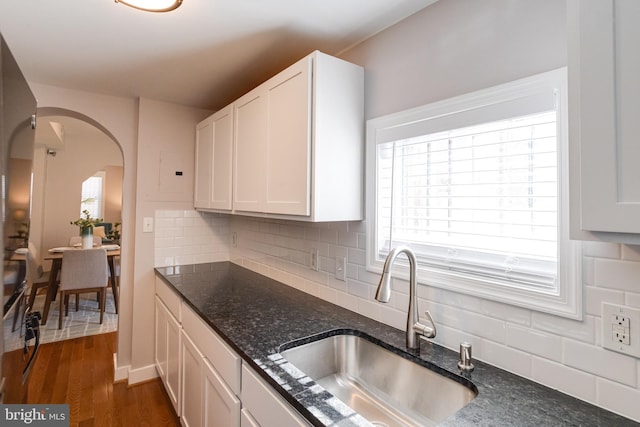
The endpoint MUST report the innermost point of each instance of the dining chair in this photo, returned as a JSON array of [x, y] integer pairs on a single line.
[[37, 278], [75, 240], [83, 270]]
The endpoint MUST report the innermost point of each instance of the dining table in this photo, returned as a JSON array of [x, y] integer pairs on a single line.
[[55, 256]]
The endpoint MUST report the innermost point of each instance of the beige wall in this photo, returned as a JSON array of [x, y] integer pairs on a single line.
[[166, 144], [458, 46], [113, 194], [63, 177]]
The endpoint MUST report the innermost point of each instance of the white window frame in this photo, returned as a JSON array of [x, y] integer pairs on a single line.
[[102, 175], [566, 299]]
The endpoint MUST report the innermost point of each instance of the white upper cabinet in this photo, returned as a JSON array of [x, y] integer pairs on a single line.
[[298, 145], [604, 92], [299, 149], [273, 144], [288, 157], [214, 160], [250, 151]]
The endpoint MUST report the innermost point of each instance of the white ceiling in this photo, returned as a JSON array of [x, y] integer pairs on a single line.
[[204, 54]]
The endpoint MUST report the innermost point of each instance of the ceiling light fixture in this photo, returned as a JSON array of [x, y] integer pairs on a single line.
[[152, 5]]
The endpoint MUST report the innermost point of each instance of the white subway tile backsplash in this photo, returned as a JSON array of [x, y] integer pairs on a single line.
[[572, 381], [187, 237], [472, 323], [632, 299], [618, 398], [603, 363], [615, 274], [399, 300], [371, 309], [393, 317], [451, 338], [348, 239], [535, 342], [583, 330], [359, 289], [508, 313], [347, 301], [631, 252], [367, 276], [594, 297], [328, 294], [588, 271], [601, 249], [356, 256], [328, 236], [504, 357]]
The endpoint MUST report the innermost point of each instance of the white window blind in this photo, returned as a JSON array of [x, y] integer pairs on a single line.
[[92, 195], [479, 200], [473, 186]]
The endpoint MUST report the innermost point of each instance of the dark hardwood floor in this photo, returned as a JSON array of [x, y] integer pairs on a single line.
[[80, 372]]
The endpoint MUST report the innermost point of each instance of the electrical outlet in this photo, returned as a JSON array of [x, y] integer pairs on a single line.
[[234, 239], [621, 329], [341, 268], [314, 254], [621, 320]]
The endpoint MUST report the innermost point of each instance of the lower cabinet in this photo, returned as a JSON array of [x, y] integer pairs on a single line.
[[221, 405], [263, 407], [167, 351], [206, 399], [205, 379], [192, 384]]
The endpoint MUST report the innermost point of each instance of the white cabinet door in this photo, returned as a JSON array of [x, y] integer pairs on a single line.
[[204, 155], [250, 151], [160, 353], [265, 406], [173, 361], [288, 157], [222, 175], [214, 159], [192, 368], [167, 351], [604, 67], [221, 406]]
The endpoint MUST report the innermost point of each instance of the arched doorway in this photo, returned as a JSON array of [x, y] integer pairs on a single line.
[[70, 148]]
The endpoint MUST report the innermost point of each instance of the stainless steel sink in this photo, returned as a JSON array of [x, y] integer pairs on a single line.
[[382, 386]]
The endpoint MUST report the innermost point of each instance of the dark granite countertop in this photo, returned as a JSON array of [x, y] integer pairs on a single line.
[[256, 315]]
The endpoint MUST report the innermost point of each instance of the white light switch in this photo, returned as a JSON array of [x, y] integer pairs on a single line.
[[147, 224]]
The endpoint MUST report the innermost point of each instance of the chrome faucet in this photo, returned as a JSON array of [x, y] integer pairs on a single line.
[[414, 327]]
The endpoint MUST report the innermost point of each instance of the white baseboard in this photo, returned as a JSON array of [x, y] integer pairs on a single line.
[[119, 372], [145, 373], [132, 376]]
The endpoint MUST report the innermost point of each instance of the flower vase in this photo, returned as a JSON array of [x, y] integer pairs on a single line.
[[87, 237]]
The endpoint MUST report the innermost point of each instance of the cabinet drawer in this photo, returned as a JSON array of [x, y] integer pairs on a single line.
[[169, 297], [223, 358], [266, 407]]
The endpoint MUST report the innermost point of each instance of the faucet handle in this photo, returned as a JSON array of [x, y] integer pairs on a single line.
[[428, 330]]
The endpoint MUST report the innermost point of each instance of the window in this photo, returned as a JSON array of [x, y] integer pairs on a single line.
[[476, 186], [93, 195]]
